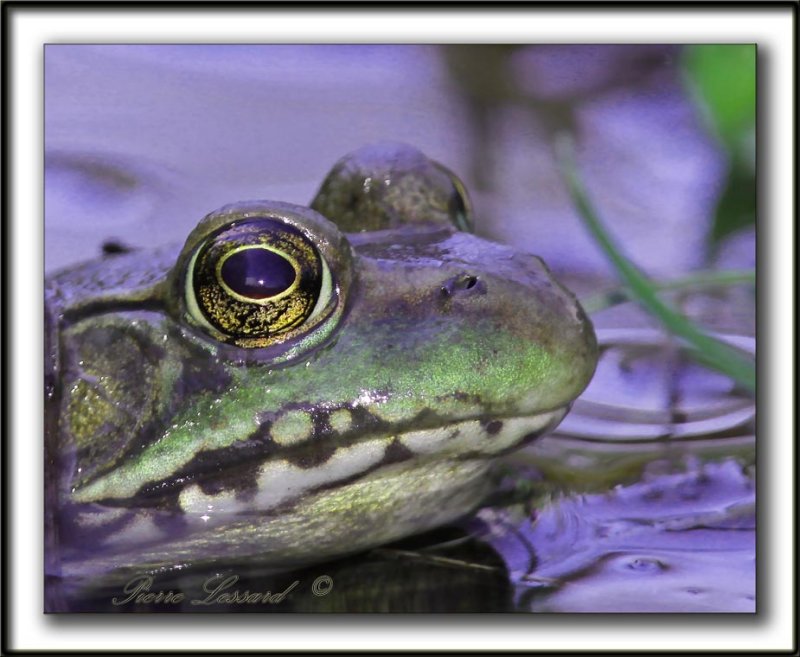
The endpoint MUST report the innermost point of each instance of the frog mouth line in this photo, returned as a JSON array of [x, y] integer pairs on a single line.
[[255, 505], [471, 439], [397, 451]]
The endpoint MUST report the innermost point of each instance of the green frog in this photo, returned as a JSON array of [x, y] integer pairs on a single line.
[[298, 383]]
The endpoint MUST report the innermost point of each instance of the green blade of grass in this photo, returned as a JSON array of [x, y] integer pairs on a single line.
[[696, 282], [703, 347]]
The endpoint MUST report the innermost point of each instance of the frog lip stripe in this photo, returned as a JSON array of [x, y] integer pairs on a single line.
[[463, 440]]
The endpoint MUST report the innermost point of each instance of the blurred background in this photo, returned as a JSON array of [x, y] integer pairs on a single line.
[[142, 141]]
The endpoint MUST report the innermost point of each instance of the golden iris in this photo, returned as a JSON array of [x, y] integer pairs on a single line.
[[255, 280]]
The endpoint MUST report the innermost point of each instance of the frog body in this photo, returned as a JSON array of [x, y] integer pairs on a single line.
[[195, 412]]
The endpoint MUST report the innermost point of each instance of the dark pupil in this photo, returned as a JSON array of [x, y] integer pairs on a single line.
[[257, 273]]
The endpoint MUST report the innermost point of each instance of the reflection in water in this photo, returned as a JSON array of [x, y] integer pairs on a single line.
[[671, 543], [647, 401], [441, 571]]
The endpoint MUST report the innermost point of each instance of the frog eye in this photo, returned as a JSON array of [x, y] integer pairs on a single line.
[[255, 281]]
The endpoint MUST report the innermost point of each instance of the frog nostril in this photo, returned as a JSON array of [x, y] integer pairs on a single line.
[[463, 283]]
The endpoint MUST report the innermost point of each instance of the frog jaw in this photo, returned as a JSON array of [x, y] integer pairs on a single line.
[[330, 523], [281, 480], [314, 448], [374, 491]]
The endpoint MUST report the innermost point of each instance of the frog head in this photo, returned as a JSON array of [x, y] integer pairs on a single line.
[[282, 387]]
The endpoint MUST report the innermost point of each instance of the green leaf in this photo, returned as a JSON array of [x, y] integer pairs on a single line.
[[723, 77]]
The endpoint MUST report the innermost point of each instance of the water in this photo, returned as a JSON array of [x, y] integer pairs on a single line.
[[669, 543]]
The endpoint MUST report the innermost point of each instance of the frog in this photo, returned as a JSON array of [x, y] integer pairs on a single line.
[[295, 383]]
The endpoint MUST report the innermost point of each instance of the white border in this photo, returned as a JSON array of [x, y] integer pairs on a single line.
[[770, 28]]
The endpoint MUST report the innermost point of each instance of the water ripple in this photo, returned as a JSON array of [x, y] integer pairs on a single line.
[[675, 542]]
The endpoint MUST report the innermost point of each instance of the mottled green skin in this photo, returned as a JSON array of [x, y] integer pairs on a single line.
[[389, 186], [440, 351]]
